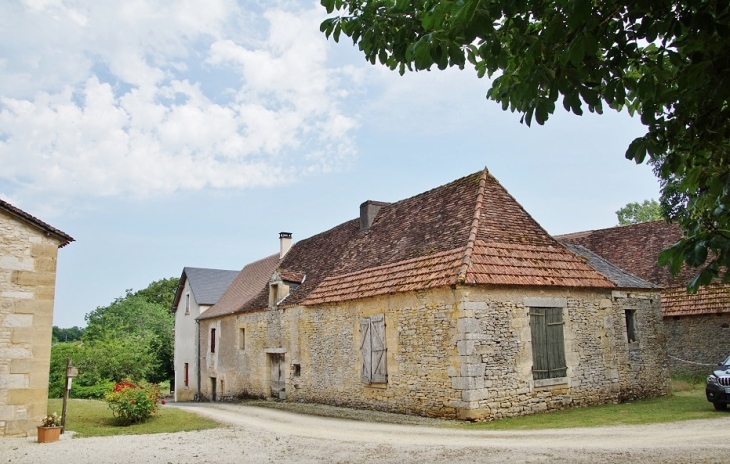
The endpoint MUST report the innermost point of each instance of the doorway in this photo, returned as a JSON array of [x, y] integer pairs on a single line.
[[278, 379], [213, 390]]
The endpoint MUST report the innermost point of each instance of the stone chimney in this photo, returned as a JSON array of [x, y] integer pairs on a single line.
[[368, 211], [284, 243]]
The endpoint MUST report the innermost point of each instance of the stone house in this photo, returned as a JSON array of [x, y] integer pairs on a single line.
[[697, 326], [28, 253], [198, 290], [247, 284], [453, 303]]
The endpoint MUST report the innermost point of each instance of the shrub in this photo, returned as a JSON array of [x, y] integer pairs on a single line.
[[93, 392], [133, 402]]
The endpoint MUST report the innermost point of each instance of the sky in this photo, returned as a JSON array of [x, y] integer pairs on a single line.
[[162, 134]]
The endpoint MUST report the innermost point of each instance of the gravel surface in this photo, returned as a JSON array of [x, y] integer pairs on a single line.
[[263, 434]]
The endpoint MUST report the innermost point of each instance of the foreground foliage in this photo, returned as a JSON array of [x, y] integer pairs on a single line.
[[666, 60], [132, 337], [91, 418]]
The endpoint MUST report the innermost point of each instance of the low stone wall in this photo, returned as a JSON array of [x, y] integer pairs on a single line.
[[697, 343]]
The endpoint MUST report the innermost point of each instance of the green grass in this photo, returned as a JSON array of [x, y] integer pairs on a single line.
[[686, 402], [91, 418]]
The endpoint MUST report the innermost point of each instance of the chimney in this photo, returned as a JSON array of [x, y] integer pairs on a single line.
[[368, 211], [284, 243]]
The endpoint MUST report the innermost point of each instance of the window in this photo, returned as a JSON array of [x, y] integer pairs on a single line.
[[186, 375], [631, 325], [548, 347], [242, 338], [187, 303], [297, 370], [372, 349], [212, 340]]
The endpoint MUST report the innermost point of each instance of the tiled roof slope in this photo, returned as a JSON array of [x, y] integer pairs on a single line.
[[622, 278], [63, 237], [635, 248], [246, 285], [707, 300], [315, 258], [470, 231], [208, 285]]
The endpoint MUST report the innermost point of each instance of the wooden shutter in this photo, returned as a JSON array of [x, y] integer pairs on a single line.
[[365, 351], [377, 335], [538, 328], [555, 342]]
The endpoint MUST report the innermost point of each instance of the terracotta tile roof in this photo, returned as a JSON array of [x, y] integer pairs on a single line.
[[291, 276], [620, 277], [315, 257], [470, 231], [707, 300], [63, 237], [635, 248], [246, 285]]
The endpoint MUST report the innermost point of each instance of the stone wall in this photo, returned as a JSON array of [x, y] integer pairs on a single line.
[[697, 343], [452, 353], [27, 287]]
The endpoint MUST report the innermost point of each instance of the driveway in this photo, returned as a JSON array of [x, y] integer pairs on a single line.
[[255, 434]]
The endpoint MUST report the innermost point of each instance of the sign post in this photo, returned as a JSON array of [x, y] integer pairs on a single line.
[[71, 372]]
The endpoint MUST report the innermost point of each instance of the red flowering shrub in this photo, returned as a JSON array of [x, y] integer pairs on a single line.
[[132, 402]]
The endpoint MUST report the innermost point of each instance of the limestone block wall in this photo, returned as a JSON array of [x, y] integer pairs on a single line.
[[697, 343], [454, 353], [495, 344], [27, 288]]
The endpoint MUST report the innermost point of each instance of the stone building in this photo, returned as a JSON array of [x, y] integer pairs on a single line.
[[28, 252], [454, 303], [697, 326], [198, 290]]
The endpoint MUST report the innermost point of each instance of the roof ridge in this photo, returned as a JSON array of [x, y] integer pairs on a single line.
[[466, 261]]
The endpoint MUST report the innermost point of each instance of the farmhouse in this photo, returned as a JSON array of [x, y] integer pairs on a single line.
[[198, 290], [698, 326], [28, 253], [454, 303]]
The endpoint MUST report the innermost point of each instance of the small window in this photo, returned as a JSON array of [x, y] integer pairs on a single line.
[[212, 340], [297, 370], [187, 303], [186, 375], [242, 339], [631, 325]]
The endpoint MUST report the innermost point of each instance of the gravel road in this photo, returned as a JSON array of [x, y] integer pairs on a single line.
[[256, 434]]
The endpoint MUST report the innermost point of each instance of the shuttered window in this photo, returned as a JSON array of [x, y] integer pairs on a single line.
[[372, 349], [548, 346]]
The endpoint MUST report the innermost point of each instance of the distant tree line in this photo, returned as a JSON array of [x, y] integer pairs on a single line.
[[130, 338]]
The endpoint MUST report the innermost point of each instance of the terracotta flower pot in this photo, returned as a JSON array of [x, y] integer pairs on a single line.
[[48, 434]]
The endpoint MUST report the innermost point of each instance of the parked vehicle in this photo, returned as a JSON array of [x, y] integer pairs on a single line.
[[718, 386]]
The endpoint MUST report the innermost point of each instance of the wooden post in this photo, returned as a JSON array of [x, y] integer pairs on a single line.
[[71, 372], [65, 396]]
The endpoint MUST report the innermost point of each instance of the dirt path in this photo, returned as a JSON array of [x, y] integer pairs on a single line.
[[256, 434]]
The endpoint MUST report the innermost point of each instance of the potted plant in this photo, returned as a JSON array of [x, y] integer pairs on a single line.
[[50, 429]]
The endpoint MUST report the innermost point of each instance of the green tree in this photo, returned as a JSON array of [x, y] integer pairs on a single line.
[[161, 291], [666, 60], [67, 335], [147, 325], [634, 213]]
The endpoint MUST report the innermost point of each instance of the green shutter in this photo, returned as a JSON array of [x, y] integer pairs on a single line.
[[555, 342], [540, 366]]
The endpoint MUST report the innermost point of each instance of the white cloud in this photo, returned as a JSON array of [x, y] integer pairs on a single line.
[[126, 114]]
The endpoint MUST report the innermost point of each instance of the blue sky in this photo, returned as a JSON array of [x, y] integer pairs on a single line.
[[164, 134]]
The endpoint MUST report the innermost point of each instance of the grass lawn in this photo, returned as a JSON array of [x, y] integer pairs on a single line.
[[686, 402], [91, 418]]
